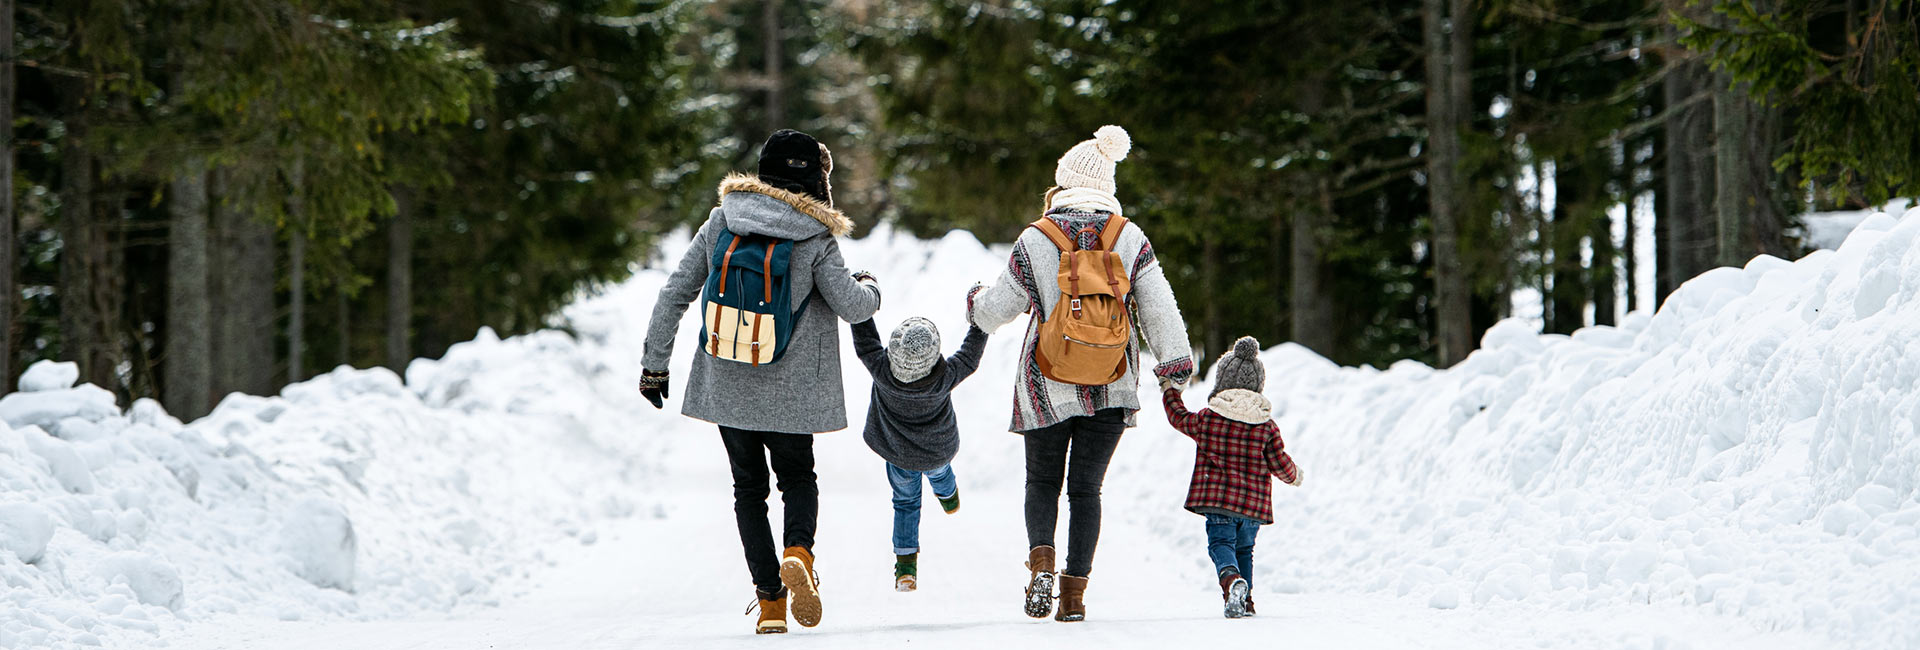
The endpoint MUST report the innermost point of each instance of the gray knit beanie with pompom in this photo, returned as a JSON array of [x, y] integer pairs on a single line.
[[1240, 368], [914, 348]]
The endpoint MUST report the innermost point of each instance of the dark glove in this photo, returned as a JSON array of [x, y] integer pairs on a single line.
[[653, 386], [867, 280]]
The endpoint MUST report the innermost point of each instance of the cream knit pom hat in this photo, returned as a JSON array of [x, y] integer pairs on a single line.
[[1090, 163]]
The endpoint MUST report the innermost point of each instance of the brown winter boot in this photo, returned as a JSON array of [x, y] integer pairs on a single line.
[[1040, 584], [1234, 590], [1073, 606], [773, 613], [1249, 603], [796, 572]]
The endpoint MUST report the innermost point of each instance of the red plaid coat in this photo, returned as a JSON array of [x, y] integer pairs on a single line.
[[1232, 461]]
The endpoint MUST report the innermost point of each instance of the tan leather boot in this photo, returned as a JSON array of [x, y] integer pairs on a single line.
[[773, 615], [803, 585], [1234, 591], [1073, 606], [1040, 584]]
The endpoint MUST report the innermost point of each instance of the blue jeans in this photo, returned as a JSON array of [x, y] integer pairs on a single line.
[[906, 502], [1230, 544]]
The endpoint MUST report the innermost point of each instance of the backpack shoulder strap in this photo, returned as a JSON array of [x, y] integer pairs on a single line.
[[1110, 234], [1053, 232]]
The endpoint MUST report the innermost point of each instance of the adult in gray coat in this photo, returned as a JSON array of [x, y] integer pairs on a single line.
[[767, 412]]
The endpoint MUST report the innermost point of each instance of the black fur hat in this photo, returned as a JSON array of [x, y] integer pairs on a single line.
[[794, 161]]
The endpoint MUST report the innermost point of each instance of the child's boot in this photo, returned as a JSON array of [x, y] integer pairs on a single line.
[[1234, 590], [1249, 602], [1040, 584], [904, 572], [773, 612], [796, 572], [1073, 605], [951, 502]]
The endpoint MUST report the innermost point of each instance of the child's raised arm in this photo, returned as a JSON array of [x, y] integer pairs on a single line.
[[963, 362], [1177, 414], [866, 344]]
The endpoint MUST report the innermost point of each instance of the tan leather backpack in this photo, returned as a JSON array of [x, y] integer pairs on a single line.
[[1084, 341]]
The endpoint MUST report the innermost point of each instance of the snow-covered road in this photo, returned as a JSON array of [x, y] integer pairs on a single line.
[[678, 582]]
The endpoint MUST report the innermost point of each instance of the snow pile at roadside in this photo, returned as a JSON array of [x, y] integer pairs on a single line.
[[349, 495], [1751, 449]]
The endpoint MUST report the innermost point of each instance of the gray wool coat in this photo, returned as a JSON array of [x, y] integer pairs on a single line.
[[800, 393]]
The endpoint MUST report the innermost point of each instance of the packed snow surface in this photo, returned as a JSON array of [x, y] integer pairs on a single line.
[[1744, 461]]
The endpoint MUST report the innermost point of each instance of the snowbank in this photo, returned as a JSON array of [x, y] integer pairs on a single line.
[[1750, 449], [350, 495], [1826, 230]]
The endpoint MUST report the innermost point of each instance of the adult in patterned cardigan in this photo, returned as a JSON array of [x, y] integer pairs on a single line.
[[1071, 431], [768, 412], [1237, 447]]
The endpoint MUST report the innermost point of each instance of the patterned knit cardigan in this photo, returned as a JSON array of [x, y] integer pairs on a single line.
[[1029, 285]]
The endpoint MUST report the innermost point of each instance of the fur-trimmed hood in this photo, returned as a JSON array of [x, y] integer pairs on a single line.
[[738, 186], [1242, 405]]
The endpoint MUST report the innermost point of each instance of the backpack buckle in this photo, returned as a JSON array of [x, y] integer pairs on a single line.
[[1075, 303]]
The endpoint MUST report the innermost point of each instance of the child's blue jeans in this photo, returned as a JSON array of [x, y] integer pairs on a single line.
[[1230, 544], [906, 502]]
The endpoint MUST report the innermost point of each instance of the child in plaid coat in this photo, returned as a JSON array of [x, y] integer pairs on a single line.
[[1238, 447]]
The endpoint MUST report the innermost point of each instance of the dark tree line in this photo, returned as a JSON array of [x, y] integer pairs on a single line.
[[208, 196]]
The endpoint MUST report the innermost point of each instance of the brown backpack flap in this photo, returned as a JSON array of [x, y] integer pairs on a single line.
[[1084, 341]]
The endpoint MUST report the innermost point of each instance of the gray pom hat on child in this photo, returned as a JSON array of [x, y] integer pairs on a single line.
[[913, 349], [1240, 368]]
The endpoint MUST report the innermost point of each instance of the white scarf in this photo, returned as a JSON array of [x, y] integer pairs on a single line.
[[1084, 198], [1242, 405]]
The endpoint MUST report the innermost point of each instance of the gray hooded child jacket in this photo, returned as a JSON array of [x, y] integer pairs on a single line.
[[912, 424]]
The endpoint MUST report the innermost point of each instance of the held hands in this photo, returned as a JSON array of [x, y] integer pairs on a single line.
[[866, 279], [1167, 384], [653, 386], [971, 293]]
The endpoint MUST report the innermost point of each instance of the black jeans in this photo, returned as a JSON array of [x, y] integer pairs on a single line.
[[1074, 452], [791, 457]]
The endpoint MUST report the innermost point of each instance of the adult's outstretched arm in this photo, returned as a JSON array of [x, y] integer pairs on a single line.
[[682, 287]]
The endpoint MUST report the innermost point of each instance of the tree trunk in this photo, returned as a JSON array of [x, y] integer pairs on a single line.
[[400, 282], [1453, 322], [343, 352], [1211, 336], [1568, 300], [775, 78], [244, 300], [1606, 283], [1311, 309], [1767, 219], [88, 299], [1690, 245], [186, 390], [297, 304], [1733, 192], [8, 242]]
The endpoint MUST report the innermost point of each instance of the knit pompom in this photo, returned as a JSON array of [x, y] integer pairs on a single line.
[[1246, 348], [1113, 142]]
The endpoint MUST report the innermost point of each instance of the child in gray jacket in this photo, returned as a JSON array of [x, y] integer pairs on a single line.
[[911, 424]]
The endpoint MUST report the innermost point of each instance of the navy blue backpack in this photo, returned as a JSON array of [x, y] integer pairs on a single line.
[[746, 306]]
